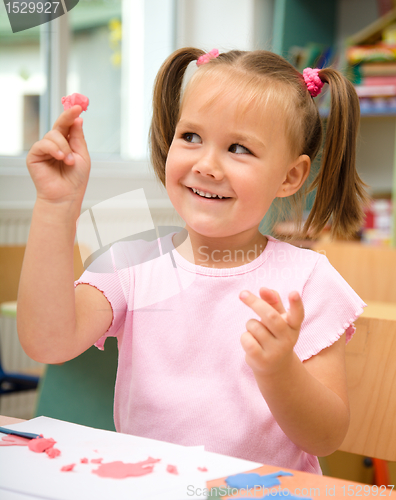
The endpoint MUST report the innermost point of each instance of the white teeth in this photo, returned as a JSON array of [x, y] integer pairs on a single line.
[[206, 195]]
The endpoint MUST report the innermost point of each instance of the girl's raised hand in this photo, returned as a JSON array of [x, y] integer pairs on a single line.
[[269, 343], [59, 164]]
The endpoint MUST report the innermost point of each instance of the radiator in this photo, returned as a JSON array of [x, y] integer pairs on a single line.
[[14, 230]]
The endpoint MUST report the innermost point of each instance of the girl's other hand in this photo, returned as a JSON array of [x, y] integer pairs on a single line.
[[269, 343], [59, 164]]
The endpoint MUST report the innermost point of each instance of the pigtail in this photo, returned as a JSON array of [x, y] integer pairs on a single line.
[[166, 105], [340, 191]]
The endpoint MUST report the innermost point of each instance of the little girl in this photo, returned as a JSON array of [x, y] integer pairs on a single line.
[[247, 358]]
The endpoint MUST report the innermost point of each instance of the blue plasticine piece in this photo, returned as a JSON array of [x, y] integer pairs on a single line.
[[253, 479]]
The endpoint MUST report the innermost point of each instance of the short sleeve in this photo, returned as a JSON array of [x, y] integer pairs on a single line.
[[331, 306], [107, 277]]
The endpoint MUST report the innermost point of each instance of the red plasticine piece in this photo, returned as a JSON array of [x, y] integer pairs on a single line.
[[67, 468], [172, 469], [73, 99], [203, 469], [84, 460], [39, 445], [96, 460], [121, 470], [10, 440], [53, 452]]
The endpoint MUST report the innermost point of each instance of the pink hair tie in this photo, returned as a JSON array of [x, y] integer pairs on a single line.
[[207, 57], [313, 81]]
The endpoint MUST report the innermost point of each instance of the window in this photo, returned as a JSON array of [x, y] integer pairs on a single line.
[[22, 80], [95, 70], [109, 50]]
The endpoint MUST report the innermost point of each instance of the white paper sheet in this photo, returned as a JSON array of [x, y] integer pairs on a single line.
[[35, 474], [12, 495], [23, 472]]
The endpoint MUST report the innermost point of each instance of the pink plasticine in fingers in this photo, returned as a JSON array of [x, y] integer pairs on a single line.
[[73, 99]]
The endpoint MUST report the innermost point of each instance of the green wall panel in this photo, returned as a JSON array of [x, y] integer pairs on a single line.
[[299, 22]]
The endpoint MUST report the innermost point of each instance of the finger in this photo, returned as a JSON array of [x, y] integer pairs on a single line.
[[295, 315], [259, 331], [77, 139], [48, 147], [268, 315], [62, 143], [254, 352], [250, 345], [272, 297], [66, 120]]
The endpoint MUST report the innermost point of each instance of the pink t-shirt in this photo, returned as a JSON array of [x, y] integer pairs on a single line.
[[182, 375]]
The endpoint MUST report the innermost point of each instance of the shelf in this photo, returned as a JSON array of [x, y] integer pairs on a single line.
[[379, 114], [302, 22]]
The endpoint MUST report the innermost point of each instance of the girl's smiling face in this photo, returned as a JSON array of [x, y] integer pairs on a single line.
[[227, 147]]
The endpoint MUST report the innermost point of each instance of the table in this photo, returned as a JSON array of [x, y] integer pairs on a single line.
[[9, 420], [300, 483], [304, 484]]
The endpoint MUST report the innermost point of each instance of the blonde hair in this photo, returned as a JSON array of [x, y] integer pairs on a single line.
[[267, 77]]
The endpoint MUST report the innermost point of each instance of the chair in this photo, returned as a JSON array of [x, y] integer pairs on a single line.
[[371, 354], [371, 375], [16, 382], [371, 271], [82, 389]]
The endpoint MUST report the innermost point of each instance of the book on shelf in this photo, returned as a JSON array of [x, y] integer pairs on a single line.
[[379, 80], [377, 225], [372, 69], [378, 105], [375, 90], [378, 53], [377, 69]]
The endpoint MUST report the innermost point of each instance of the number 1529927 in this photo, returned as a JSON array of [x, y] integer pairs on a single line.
[[365, 490]]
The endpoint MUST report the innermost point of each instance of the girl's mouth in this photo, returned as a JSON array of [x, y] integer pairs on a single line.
[[208, 196]]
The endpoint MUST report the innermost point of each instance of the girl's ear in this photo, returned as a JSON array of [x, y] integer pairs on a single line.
[[295, 177]]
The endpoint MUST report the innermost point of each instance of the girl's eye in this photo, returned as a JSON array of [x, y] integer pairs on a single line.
[[190, 137], [238, 149]]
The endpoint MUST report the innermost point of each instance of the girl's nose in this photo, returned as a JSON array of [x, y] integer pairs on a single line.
[[209, 164]]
